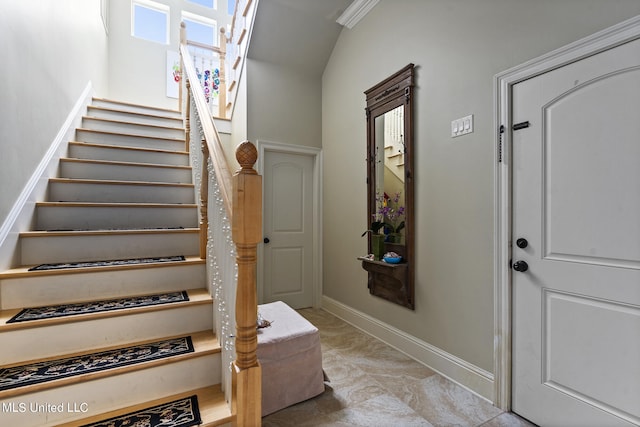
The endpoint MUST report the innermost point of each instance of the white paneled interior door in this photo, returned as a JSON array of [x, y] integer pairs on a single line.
[[576, 278], [288, 228]]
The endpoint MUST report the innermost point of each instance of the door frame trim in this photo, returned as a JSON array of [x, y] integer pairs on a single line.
[[280, 147], [616, 35]]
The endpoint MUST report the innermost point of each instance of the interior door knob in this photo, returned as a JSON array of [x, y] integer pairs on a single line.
[[266, 240], [521, 266], [522, 243]]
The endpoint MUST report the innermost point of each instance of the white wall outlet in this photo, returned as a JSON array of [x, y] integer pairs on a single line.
[[462, 126]]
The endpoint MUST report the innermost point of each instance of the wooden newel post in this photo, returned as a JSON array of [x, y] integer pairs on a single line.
[[222, 99], [247, 233], [183, 40]]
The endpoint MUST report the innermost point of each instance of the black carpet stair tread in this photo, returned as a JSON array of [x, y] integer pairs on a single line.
[[79, 309], [103, 263], [214, 410], [105, 362], [23, 271], [178, 413], [196, 297]]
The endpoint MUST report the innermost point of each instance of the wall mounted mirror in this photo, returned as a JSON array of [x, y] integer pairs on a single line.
[[390, 188]]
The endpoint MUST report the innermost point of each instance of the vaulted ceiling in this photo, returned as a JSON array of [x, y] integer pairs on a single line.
[[296, 33]]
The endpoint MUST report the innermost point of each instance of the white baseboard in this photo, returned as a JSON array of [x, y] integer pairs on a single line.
[[465, 374], [21, 214]]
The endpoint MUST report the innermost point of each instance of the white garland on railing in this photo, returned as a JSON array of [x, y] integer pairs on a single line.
[[222, 270], [222, 260]]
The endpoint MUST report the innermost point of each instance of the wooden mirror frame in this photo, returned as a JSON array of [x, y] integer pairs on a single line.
[[393, 282]]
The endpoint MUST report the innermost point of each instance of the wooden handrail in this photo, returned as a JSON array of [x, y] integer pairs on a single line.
[[211, 136], [212, 48]]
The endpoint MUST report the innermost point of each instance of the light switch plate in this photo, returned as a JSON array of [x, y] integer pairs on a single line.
[[462, 126]]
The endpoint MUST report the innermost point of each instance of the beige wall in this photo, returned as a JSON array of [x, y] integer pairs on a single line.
[[50, 51], [457, 46], [137, 67], [283, 104]]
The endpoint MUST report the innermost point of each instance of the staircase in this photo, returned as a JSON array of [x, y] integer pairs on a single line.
[[124, 192]]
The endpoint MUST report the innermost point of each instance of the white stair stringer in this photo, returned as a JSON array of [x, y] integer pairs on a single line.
[[124, 192]]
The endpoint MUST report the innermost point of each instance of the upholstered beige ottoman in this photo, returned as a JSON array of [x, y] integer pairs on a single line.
[[290, 356]]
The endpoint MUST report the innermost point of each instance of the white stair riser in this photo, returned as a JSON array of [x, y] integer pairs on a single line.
[[53, 249], [123, 193], [135, 108], [84, 135], [82, 170], [105, 394], [126, 116], [85, 151], [131, 128], [113, 217], [70, 286], [71, 337]]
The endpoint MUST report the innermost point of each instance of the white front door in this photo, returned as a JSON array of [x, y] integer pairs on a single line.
[[288, 228], [576, 202]]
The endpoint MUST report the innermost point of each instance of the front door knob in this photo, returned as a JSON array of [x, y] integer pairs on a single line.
[[266, 240], [521, 266]]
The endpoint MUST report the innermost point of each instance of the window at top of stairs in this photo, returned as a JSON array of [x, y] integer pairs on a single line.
[[150, 21]]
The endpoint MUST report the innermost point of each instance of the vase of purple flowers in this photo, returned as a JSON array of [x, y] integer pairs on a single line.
[[392, 213]]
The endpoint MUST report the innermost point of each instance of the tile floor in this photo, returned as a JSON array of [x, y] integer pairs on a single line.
[[373, 385]]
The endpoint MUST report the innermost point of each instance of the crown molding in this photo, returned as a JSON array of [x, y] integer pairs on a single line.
[[355, 12]]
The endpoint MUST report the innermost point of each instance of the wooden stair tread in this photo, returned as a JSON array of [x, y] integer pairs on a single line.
[[117, 182], [125, 122], [196, 297], [214, 410], [120, 163], [115, 205], [126, 147], [131, 104], [204, 343], [131, 134], [136, 113], [27, 234], [23, 271]]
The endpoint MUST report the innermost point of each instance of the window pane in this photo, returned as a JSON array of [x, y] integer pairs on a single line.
[[231, 6], [205, 3], [200, 33], [150, 24]]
